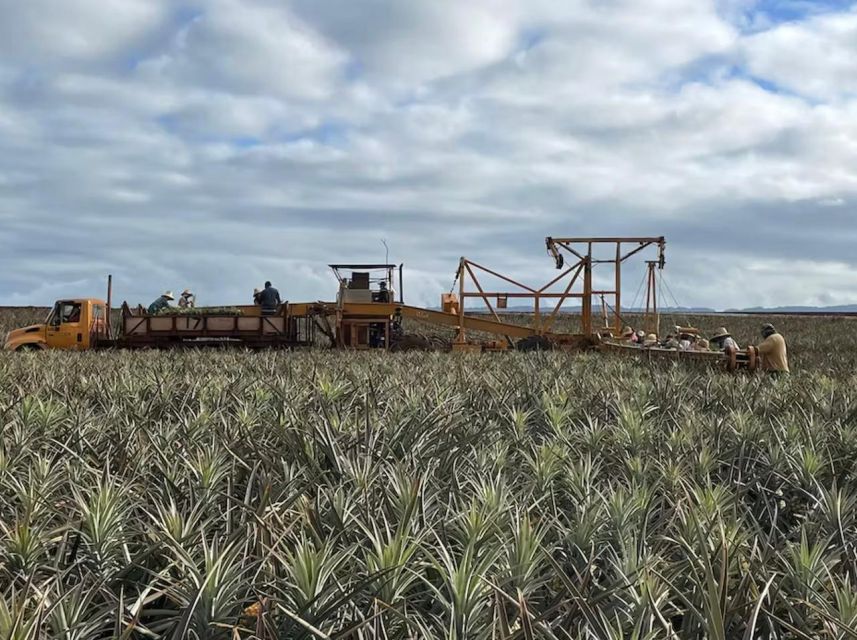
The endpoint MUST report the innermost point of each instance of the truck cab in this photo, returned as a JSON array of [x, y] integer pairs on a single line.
[[72, 324]]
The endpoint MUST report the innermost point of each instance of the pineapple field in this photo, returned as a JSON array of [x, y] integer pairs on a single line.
[[321, 494]]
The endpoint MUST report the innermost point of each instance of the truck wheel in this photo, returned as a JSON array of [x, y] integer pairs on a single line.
[[29, 347]]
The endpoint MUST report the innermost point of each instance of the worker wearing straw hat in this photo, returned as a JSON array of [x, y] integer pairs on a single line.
[[628, 335], [187, 300], [163, 302], [722, 340]]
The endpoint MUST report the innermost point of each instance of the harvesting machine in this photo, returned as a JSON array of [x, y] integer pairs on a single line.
[[369, 312]]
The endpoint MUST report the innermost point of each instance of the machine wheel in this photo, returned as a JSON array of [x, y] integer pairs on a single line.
[[534, 343], [29, 347]]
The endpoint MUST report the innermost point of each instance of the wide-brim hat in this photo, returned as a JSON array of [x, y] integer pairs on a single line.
[[255, 291], [651, 338], [187, 292], [168, 295], [627, 331], [721, 333]]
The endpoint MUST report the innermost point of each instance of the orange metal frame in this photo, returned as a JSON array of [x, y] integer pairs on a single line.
[[582, 250], [542, 324]]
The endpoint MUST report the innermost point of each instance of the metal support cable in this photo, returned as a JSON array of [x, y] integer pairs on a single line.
[[639, 290], [675, 302]]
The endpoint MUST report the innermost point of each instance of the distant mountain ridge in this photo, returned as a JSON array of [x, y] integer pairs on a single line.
[[841, 308]]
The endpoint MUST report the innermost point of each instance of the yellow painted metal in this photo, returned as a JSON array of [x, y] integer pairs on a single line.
[[32, 337], [470, 323], [382, 311], [449, 303]]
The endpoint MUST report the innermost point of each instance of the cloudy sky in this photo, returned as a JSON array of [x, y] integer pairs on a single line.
[[217, 143]]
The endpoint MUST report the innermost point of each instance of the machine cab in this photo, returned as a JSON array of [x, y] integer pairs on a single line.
[[366, 303], [366, 283]]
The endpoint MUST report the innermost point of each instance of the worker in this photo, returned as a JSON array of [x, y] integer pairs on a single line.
[[187, 300], [269, 299], [163, 302], [772, 350], [651, 340], [722, 340], [629, 335], [256, 293], [701, 345]]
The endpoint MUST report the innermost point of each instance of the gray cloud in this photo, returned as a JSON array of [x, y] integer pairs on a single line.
[[218, 144]]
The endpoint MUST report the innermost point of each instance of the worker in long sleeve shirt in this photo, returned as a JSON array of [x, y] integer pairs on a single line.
[[162, 302], [772, 351]]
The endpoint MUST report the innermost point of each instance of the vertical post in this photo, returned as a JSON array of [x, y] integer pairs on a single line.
[[460, 337], [655, 302], [107, 319], [618, 308], [537, 318], [604, 312], [652, 320], [401, 285], [646, 316], [586, 301]]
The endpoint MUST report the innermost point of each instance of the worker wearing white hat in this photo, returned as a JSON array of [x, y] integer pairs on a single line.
[[163, 302], [187, 300]]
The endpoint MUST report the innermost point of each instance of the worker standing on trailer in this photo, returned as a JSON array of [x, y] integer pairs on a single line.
[[269, 298], [163, 302], [187, 300], [256, 293], [773, 351]]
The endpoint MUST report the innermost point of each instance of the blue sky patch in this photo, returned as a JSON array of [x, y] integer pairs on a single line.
[[765, 14]]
